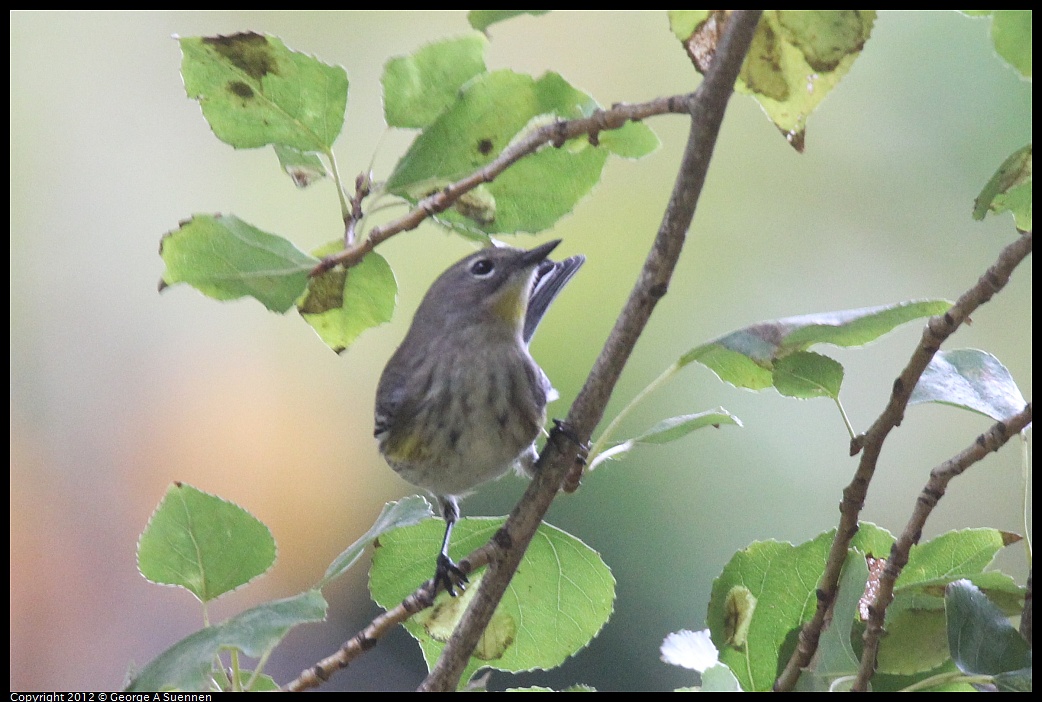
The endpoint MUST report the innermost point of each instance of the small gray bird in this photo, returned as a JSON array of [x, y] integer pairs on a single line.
[[461, 401]]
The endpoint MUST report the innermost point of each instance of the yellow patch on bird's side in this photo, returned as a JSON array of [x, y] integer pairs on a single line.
[[409, 449]]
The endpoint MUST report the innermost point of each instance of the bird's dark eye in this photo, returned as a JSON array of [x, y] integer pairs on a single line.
[[482, 268]]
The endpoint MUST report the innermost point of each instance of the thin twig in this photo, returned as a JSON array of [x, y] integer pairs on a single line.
[[870, 444], [561, 452], [555, 134], [991, 440], [383, 624]]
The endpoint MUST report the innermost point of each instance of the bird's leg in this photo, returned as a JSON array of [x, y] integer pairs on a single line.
[[448, 573]]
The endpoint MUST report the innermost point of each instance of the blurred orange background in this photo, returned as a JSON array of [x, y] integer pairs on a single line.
[[116, 390]]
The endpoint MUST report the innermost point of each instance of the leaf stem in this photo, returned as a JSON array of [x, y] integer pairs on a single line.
[[236, 673], [345, 209], [846, 421], [598, 446], [258, 670]]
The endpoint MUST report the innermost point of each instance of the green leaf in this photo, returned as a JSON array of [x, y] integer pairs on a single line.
[[186, 665], [856, 327], [341, 304], [871, 540], [254, 91], [304, 167], [951, 556], [683, 23], [783, 577], [1001, 589], [1009, 190], [560, 598], [738, 358], [805, 374], [746, 358], [669, 430], [491, 111], [1011, 33], [204, 544], [970, 379], [419, 87], [633, 140], [405, 512], [677, 427], [537, 191], [797, 57], [487, 114], [481, 20], [225, 258], [835, 659], [981, 639], [916, 639]]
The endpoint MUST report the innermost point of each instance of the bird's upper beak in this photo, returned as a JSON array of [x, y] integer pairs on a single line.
[[539, 253]]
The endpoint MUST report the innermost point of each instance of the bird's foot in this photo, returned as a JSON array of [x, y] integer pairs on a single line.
[[449, 575], [571, 481]]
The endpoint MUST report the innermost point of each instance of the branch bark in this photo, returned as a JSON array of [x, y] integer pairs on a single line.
[[560, 455]]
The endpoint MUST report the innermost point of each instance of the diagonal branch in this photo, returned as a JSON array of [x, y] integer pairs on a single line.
[[561, 453], [937, 330]]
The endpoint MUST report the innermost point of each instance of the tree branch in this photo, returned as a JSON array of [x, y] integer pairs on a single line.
[[559, 456], [937, 330]]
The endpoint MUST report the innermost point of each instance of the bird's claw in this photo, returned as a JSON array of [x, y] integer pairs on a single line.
[[449, 575], [565, 429], [574, 476]]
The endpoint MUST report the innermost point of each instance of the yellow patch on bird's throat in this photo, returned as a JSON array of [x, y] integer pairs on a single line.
[[510, 306]]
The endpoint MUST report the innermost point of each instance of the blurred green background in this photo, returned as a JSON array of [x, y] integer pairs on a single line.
[[117, 390]]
